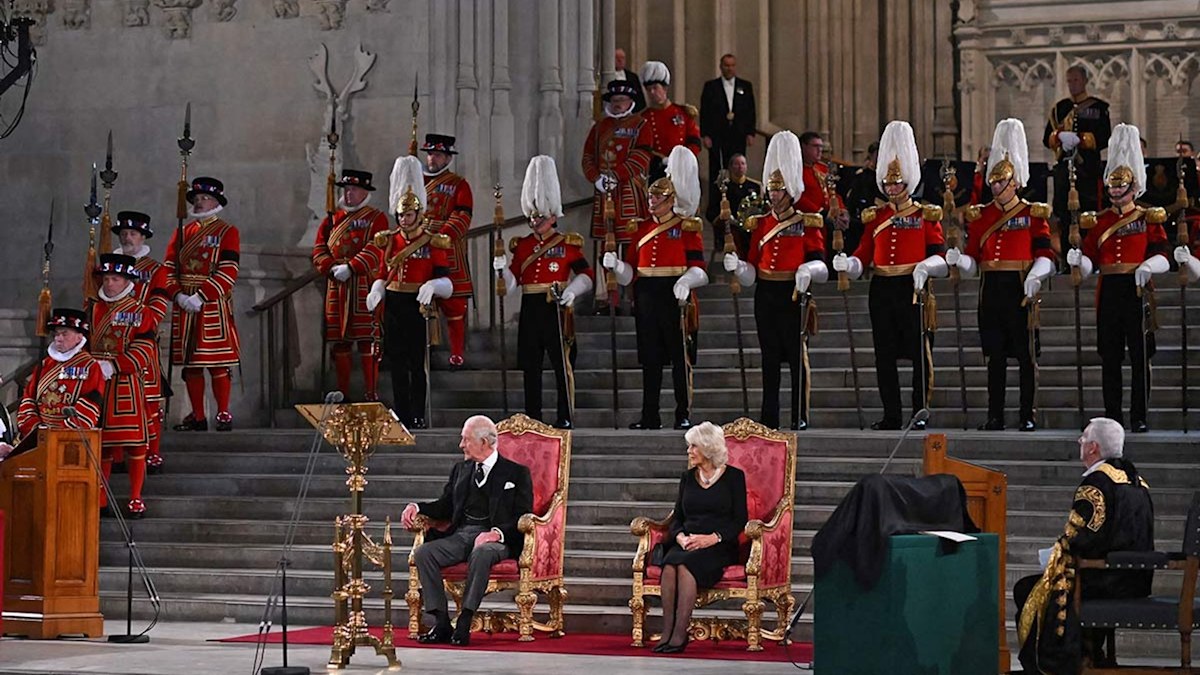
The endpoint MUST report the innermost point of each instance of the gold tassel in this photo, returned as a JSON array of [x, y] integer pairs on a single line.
[[435, 329], [931, 323], [43, 312], [1181, 197], [89, 279], [812, 319], [1073, 199]]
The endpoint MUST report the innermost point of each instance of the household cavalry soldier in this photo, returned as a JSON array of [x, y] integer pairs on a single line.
[[1008, 240], [414, 265], [1127, 243], [133, 229], [670, 124], [448, 211], [1077, 130], [786, 254], [543, 262], [123, 346], [616, 158], [67, 378], [817, 190], [665, 263], [902, 242], [342, 253], [202, 267]]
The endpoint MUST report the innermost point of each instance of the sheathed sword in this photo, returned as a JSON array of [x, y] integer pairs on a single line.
[[687, 352], [565, 351], [501, 292], [735, 289], [429, 313], [1076, 279], [843, 285]]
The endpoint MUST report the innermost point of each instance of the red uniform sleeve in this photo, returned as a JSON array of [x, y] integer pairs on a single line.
[[321, 257], [692, 138], [441, 262], [1156, 240], [158, 302], [27, 413], [935, 241], [220, 284], [814, 244], [459, 220], [588, 163], [89, 407], [754, 253], [866, 245], [1091, 242], [1039, 232], [367, 260], [169, 260], [578, 262], [693, 244], [637, 160]]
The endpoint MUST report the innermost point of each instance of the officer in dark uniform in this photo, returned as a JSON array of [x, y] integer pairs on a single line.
[[861, 193], [1078, 129], [542, 264], [739, 188]]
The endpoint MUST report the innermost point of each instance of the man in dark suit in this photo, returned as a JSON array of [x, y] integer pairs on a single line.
[[483, 500], [623, 73], [727, 117]]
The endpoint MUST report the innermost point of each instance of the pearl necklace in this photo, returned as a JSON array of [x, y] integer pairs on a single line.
[[707, 480]]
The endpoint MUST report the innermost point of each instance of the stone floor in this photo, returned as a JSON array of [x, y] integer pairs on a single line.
[[177, 648]]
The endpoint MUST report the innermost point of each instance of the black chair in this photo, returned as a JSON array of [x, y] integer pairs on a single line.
[[1180, 613]]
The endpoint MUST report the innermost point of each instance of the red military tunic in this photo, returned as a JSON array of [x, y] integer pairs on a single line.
[[405, 264], [1117, 243], [670, 126], [56, 386], [536, 264], [894, 241], [347, 318], [449, 211], [122, 333], [209, 255], [1008, 239], [152, 294], [814, 198], [779, 247], [625, 147], [667, 248]]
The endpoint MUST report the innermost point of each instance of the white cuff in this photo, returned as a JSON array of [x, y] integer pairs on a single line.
[[966, 266], [936, 266], [623, 272], [817, 270], [746, 275], [510, 281], [1085, 266], [1193, 268], [855, 267], [1042, 268], [693, 278], [580, 285], [499, 532], [1157, 264], [379, 286], [442, 287]]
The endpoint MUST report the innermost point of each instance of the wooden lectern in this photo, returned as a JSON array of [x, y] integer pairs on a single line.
[[987, 503], [52, 546]]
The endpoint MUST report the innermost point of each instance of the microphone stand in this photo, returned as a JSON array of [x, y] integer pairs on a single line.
[[264, 626]]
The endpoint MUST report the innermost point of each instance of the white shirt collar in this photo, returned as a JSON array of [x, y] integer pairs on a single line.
[[1091, 469], [488, 464], [730, 82], [63, 357]]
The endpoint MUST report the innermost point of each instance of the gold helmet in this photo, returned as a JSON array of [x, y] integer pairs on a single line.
[[1121, 176], [894, 175], [663, 187], [775, 181], [408, 201], [1002, 170]]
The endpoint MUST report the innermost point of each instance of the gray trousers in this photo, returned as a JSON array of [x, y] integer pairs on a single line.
[[432, 556]]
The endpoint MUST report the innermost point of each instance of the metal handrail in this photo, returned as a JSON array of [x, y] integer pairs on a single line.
[[19, 377], [516, 220], [295, 285]]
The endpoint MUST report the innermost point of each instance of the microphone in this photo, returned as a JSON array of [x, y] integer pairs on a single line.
[[921, 415], [70, 412], [334, 396]]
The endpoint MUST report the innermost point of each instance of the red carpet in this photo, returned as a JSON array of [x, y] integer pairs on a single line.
[[591, 644]]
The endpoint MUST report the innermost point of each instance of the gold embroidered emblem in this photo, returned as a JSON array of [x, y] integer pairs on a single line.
[[1092, 495]]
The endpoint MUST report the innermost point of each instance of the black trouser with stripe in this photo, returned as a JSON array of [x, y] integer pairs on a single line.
[[1119, 326], [1004, 333], [537, 334], [404, 344], [781, 339], [660, 342], [896, 332]]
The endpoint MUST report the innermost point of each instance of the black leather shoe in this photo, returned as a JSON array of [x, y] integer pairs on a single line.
[[462, 629], [418, 423], [683, 423], [564, 424], [657, 649], [676, 649], [993, 424], [643, 424], [799, 425], [190, 423], [920, 425], [438, 635], [224, 421], [1139, 427], [886, 425], [1027, 425]]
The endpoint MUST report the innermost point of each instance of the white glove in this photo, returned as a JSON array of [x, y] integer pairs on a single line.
[[499, 263], [693, 278], [1141, 275], [181, 299], [803, 279], [1032, 286], [425, 293], [731, 262], [1182, 255], [841, 262], [193, 303], [682, 291], [920, 275], [1068, 139], [1041, 269], [953, 255], [609, 261], [1075, 257], [341, 272], [376, 295], [567, 299], [107, 369]]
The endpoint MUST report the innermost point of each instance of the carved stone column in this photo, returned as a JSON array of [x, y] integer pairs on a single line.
[[504, 152], [550, 117]]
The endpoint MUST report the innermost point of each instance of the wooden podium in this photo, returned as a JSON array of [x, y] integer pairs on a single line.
[[52, 544], [987, 503]]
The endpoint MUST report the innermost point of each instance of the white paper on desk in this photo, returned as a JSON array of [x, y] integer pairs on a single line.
[[949, 534], [1044, 556]]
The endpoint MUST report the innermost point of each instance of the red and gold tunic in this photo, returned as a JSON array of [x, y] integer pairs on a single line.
[[779, 245], [406, 264], [672, 125], [449, 211], [152, 294], [894, 241], [814, 199], [209, 255], [536, 263], [56, 386], [119, 335], [625, 146], [667, 248], [347, 318], [1008, 239], [1118, 242]]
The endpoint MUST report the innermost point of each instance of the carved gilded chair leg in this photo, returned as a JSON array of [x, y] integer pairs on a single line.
[[558, 597], [754, 611], [413, 598], [637, 605], [525, 602], [784, 604]]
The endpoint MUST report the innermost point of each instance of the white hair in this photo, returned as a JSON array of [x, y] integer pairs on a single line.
[[483, 428], [1108, 434], [709, 439]]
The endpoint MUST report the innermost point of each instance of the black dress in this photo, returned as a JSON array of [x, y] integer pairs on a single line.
[[718, 509]]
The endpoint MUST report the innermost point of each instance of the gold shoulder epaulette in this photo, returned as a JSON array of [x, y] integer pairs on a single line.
[[1087, 220], [1039, 210], [574, 239], [381, 238], [931, 212], [972, 213], [813, 220], [1156, 214], [633, 224], [751, 223], [692, 110], [868, 214], [513, 244], [440, 241], [692, 225]]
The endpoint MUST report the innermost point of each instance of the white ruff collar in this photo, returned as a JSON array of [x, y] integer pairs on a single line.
[[345, 207], [139, 254], [63, 357], [204, 214], [118, 296]]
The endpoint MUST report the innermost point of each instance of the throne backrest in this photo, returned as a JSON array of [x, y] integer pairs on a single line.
[[1191, 534], [546, 451], [768, 458]]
